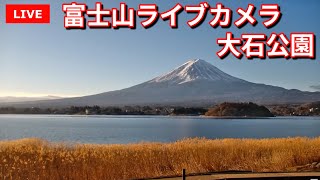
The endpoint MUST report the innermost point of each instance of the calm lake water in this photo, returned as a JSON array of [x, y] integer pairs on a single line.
[[131, 129]]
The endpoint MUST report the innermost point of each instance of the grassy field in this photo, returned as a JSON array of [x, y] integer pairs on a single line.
[[38, 159]]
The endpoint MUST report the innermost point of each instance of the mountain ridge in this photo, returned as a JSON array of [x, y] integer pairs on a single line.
[[194, 83], [12, 99]]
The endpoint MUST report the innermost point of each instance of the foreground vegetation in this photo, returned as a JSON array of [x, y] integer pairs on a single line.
[[38, 159]]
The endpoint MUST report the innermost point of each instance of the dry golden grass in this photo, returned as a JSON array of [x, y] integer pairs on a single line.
[[38, 159]]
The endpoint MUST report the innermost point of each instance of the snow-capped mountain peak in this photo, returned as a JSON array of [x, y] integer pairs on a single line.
[[195, 83], [193, 70]]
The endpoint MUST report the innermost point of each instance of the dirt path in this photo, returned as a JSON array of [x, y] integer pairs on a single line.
[[276, 176]]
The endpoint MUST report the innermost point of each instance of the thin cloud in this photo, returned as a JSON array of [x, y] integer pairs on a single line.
[[316, 87]]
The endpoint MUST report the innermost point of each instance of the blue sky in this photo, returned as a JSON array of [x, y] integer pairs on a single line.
[[38, 60]]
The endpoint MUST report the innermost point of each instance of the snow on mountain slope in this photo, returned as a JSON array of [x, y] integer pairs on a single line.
[[194, 70], [196, 82]]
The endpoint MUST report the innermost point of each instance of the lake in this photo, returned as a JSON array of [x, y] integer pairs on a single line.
[[132, 129]]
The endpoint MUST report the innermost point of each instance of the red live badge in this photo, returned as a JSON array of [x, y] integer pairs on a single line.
[[28, 13]]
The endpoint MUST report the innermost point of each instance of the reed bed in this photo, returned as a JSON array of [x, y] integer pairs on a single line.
[[39, 159]]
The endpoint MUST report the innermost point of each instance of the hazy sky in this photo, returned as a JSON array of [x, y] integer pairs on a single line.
[[49, 60]]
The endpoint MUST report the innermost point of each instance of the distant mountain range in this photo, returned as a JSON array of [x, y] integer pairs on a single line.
[[195, 83], [10, 99]]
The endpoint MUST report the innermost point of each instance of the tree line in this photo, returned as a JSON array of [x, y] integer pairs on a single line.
[[223, 109]]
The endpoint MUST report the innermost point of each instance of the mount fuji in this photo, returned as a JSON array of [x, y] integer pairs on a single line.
[[195, 83]]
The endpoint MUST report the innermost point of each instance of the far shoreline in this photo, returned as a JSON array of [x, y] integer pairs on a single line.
[[178, 116]]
